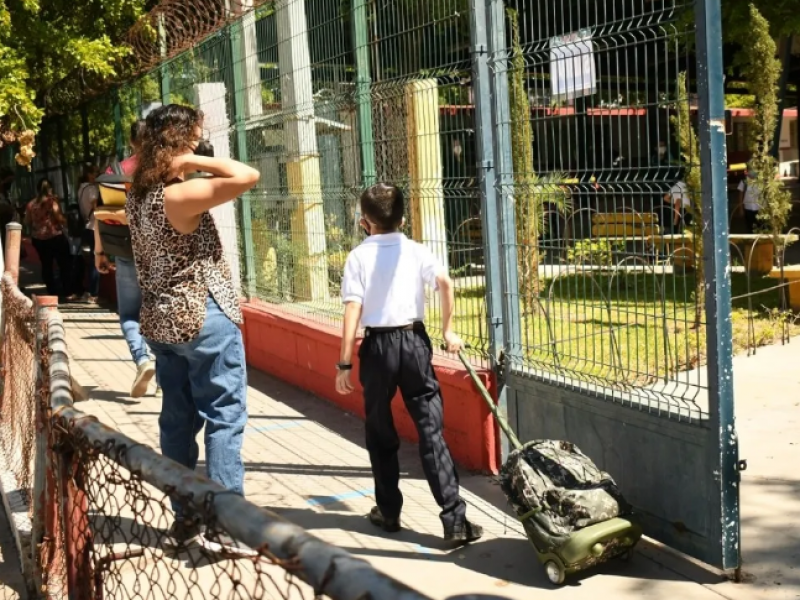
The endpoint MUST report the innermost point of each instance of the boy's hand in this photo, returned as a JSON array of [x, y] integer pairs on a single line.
[[343, 384], [452, 342]]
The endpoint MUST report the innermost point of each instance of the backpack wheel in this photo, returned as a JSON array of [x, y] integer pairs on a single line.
[[555, 572]]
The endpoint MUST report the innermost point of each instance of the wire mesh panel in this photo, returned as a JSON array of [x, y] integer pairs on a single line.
[[17, 414], [602, 215], [604, 181]]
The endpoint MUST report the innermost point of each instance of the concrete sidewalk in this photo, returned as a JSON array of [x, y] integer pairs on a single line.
[[305, 461]]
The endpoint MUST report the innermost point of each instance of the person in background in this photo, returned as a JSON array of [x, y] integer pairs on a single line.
[[88, 199], [678, 197], [129, 294], [190, 313], [749, 194], [383, 290], [44, 217]]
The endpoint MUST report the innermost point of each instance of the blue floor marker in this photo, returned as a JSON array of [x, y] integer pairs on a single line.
[[351, 495]]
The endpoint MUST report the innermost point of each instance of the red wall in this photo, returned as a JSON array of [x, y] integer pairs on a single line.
[[305, 353]]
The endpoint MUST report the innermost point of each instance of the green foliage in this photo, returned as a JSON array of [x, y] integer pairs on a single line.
[[41, 43], [782, 17], [599, 253], [762, 71]]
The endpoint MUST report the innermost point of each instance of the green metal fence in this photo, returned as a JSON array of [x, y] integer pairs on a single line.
[[527, 138], [325, 97]]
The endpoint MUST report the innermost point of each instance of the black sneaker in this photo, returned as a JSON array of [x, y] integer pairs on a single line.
[[388, 525], [464, 533], [222, 543], [182, 533]]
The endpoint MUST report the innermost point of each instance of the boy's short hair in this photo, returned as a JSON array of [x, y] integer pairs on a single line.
[[383, 205]]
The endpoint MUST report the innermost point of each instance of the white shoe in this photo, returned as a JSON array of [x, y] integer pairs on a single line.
[[144, 374]]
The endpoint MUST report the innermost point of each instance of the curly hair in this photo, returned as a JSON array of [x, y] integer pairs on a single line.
[[168, 132]]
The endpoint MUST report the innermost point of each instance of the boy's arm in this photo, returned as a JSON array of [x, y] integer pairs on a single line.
[[352, 316], [353, 297]]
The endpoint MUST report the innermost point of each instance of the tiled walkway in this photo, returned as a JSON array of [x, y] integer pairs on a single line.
[[305, 460]]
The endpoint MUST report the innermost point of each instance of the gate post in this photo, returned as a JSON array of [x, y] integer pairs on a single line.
[[713, 161], [487, 37]]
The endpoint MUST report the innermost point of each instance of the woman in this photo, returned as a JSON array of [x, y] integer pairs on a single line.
[[43, 215], [190, 312], [88, 199]]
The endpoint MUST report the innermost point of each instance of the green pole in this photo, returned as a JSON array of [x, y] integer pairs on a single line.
[[363, 96], [164, 69], [119, 140], [62, 158], [87, 153], [240, 115]]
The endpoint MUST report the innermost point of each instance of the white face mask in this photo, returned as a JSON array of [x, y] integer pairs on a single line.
[[662, 150]]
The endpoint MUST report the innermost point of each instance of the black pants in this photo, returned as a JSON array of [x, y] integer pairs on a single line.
[[750, 219], [402, 358], [55, 249]]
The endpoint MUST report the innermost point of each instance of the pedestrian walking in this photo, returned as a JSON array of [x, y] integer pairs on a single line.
[[190, 312], [383, 289], [46, 220], [129, 294], [88, 200], [749, 196]]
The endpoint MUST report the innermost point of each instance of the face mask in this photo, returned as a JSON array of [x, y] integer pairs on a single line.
[[662, 151]]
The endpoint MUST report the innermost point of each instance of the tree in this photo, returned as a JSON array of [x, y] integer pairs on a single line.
[[532, 193], [762, 71], [782, 17], [690, 154], [42, 42]]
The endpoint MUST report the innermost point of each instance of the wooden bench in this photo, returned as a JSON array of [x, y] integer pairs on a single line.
[[625, 225], [790, 274]]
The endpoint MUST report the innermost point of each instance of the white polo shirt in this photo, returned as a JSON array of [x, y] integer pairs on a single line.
[[752, 194], [387, 274]]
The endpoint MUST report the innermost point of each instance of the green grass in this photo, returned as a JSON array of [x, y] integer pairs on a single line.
[[632, 328]]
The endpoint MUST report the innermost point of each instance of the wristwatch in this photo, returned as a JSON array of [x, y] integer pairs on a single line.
[[344, 367]]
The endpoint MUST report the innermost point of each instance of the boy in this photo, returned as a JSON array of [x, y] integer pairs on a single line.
[[383, 289]]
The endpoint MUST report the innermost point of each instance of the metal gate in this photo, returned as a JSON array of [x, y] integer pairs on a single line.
[[606, 329]]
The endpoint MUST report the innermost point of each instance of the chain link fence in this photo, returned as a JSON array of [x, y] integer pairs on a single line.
[[98, 506]]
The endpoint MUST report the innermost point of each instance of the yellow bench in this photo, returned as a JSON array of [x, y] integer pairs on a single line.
[[625, 225], [791, 274]]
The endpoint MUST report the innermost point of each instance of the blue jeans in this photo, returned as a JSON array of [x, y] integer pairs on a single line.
[[129, 303], [204, 382]]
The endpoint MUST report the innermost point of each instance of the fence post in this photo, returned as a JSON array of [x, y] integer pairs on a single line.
[[13, 246], [62, 160], [44, 533], [494, 164], [363, 101], [240, 115], [711, 101], [87, 151], [164, 69]]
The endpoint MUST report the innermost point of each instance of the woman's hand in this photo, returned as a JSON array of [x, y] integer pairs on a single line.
[[102, 264]]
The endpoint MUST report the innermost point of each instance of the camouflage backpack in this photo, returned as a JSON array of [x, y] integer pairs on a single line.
[[560, 489]]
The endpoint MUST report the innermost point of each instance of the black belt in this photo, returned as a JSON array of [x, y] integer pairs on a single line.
[[418, 325]]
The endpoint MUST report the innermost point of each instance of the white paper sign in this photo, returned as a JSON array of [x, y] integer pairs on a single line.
[[572, 68]]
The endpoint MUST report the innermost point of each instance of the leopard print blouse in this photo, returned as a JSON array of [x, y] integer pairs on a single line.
[[177, 272]]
